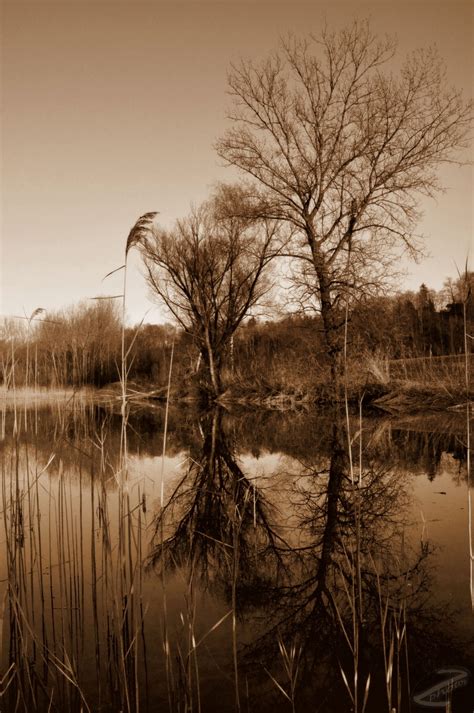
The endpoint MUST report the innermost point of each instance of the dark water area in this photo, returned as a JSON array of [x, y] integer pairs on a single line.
[[266, 562]]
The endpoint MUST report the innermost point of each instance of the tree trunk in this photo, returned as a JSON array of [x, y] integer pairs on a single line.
[[213, 365], [333, 345]]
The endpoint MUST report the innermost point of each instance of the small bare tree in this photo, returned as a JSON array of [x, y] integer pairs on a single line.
[[343, 149], [210, 269]]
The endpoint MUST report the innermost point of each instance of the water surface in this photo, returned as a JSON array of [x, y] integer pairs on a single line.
[[255, 566]]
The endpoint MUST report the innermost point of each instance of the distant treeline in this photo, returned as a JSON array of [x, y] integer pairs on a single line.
[[81, 345]]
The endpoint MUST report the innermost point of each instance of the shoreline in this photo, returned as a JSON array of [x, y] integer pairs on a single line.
[[392, 398]]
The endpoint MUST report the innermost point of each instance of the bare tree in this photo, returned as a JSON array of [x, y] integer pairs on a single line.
[[210, 270], [344, 149]]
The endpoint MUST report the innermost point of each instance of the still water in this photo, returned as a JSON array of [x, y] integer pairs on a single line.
[[254, 561]]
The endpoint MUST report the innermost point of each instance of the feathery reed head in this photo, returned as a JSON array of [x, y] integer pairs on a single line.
[[140, 230], [36, 312]]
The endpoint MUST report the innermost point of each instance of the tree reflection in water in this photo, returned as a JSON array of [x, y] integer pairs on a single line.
[[322, 571], [213, 504], [275, 586]]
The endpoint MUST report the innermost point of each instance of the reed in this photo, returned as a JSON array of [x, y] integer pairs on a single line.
[[392, 609], [47, 601], [290, 656]]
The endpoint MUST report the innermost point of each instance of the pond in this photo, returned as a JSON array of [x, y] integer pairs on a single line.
[[248, 561]]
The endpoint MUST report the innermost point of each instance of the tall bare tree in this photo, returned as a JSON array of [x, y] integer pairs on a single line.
[[210, 269], [344, 149]]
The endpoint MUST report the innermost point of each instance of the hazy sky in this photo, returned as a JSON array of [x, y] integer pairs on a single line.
[[110, 109]]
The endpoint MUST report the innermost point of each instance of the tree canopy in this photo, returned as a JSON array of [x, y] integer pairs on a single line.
[[209, 270], [343, 147]]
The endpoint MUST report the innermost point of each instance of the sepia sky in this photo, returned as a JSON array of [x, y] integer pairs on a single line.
[[110, 109]]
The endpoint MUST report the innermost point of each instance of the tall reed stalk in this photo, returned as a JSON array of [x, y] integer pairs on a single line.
[[467, 375], [354, 561]]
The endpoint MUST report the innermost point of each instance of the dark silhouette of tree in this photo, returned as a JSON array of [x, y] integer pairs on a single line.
[[343, 149], [210, 271]]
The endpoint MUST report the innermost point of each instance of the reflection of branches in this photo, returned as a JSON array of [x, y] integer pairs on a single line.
[[212, 504], [351, 562]]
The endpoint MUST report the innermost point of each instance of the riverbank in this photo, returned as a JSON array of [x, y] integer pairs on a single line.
[[397, 396]]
